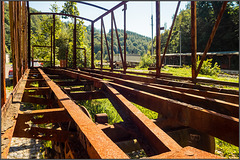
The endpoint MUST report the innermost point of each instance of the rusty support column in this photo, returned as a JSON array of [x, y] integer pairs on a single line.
[[51, 46], [106, 40], [3, 57], [12, 17], [19, 39], [85, 58], [224, 5], [53, 40], [92, 46], [66, 57], [119, 45], [194, 38], [125, 38], [169, 36], [111, 62], [158, 40], [74, 44], [29, 35], [101, 66]]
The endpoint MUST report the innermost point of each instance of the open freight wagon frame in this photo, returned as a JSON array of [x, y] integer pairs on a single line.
[[190, 113]]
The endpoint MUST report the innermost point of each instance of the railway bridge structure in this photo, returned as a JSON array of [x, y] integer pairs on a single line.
[[191, 111]]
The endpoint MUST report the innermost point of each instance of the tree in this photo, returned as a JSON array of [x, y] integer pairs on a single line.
[[70, 7]]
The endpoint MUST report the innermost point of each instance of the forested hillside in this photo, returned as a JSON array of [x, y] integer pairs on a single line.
[[136, 43], [226, 38]]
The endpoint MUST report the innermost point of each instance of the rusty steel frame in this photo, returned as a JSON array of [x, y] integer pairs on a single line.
[[169, 107], [98, 146], [3, 57], [210, 110]]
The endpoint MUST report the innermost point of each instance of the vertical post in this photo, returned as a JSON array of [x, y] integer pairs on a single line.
[[12, 16], [66, 57], [101, 46], [3, 56], [85, 58], [19, 28], [111, 41], [92, 46], [158, 40], [180, 48], [29, 34], [51, 46], [125, 39], [53, 40], [193, 38], [33, 56], [152, 32], [74, 44]]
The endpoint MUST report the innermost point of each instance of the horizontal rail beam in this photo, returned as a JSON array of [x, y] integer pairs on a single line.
[[61, 14]]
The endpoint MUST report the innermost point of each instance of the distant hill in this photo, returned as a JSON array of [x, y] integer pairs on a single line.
[[136, 43]]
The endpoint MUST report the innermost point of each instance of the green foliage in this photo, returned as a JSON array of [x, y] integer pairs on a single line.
[[208, 68], [146, 61], [70, 8], [226, 149]]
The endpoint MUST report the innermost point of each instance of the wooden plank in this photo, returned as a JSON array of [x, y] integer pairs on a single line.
[[97, 145]]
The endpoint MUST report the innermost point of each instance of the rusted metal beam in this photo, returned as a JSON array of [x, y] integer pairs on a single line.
[[205, 102], [36, 100], [61, 14], [97, 145], [194, 38], [9, 111], [186, 153], [29, 35], [51, 46], [44, 134], [101, 65], [164, 82], [55, 115], [224, 5], [92, 46], [3, 56], [119, 45], [158, 39], [125, 39], [219, 125], [182, 113], [87, 95], [169, 35], [54, 40], [111, 10], [111, 62], [75, 44], [157, 138], [109, 57], [93, 5]]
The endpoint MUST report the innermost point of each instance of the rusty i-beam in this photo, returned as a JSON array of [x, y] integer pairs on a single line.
[[194, 38], [158, 40], [3, 57]]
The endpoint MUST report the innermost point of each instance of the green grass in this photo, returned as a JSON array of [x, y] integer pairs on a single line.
[[225, 149]]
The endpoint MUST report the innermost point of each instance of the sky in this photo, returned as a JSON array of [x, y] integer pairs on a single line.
[[138, 13]]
